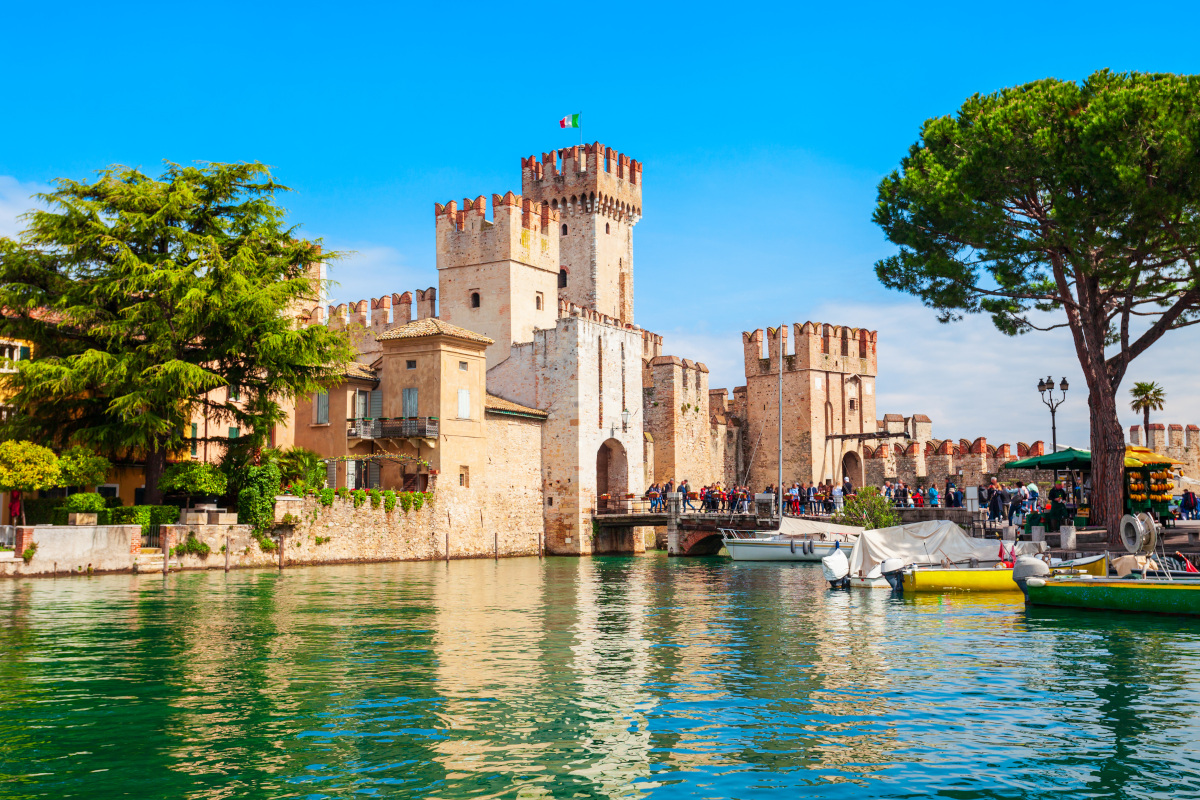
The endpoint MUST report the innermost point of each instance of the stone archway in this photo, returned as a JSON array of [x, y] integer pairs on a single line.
[[852, 468], [612, 469]]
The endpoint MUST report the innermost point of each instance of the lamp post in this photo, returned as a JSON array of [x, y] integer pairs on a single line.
[[1046, 388]]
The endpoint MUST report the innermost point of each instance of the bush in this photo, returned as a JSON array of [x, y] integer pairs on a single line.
[[359, 496], [256, 500], [343, 492], [265, 543], [325, 496], [113, 502], [82, 467], [29, 551], [144, 516], [84, 503], [40, 510], [193, 546], [389, 501], [868, 509], [405, 501], [297, 464], [376, 496], [193, 479]]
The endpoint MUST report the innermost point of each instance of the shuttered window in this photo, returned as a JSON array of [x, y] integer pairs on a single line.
[[322, 408], [195, 435], [372, 475], [362, 401], [24, 354], [331, 474], [410, 402], [351, 474], [233, 433], [376, 404], [464, 403]]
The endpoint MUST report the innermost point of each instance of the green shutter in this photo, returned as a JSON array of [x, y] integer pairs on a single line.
[[195, 435], [233, 433], [24, 353]]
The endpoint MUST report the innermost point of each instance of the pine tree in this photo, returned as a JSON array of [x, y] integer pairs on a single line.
[[143, 296]]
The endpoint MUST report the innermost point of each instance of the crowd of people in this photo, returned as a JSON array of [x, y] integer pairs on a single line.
[[799, 498]]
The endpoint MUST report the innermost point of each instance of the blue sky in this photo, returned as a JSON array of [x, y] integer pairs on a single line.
[[763, 130]]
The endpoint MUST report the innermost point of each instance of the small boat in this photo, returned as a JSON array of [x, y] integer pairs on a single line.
[[796, 540], [998, 578], [1116, 594]]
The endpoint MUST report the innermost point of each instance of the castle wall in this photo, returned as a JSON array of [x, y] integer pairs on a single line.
[[582, 372], [675, 407]]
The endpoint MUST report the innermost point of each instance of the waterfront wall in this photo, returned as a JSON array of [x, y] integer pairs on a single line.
[[73, 548]]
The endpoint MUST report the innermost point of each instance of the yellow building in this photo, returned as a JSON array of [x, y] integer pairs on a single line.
[[12, 351]]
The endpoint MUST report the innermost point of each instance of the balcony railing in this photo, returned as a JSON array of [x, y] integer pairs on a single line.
[[392, 428]]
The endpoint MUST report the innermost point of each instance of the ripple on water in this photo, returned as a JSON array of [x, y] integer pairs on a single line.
[[618, 677]]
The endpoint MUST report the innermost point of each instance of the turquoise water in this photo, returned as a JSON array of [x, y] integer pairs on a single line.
[[606, 677]]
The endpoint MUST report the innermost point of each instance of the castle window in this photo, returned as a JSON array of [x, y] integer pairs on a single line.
[[606, 227], [852, 403], [410, 363], [474, 299], [564, 230], [562, 279], [462, 365], [538, 301]]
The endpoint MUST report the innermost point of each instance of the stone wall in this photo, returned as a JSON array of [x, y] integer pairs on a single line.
[[675, 407], [73, 549], [1177, 441]]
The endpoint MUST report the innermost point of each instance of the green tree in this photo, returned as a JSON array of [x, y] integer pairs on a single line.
[[142, 297], [1059, 205], [81, 467], [27, 467], [301, 464], [868, 509], [1147, 396], [192, 478]]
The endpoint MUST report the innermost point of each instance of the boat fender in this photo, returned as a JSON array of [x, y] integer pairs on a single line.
[[793, 547], [809, 547]]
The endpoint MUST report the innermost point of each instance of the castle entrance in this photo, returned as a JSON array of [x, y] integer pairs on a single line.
[[612, 479], [852, 469]]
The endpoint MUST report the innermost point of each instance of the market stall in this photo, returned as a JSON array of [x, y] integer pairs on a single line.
[[1071, 466], [1149, 483]]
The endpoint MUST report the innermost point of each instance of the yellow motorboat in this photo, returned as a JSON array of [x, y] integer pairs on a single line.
[[991, 579]]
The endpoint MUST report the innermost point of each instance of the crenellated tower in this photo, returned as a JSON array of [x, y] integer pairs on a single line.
[[598, 194], [498, 277]]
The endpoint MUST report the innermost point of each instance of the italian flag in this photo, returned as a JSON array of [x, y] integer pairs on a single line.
[[569, 121]]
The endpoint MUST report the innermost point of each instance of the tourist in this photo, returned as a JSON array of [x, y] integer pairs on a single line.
[[847, 487], [887, 490], [901, 494], [918, 498], [686, 491], [933, 496], [1016, 506], [838, 498], [1187, 504]]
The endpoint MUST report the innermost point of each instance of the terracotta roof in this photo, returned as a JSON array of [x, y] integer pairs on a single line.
[[360, 371], [432, 326], [493, 403]]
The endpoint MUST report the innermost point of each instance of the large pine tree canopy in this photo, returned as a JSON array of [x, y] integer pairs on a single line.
[[141, 296]]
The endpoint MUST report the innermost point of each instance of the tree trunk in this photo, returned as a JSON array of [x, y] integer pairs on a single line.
[[1146, 427], [1108, 461], [156, 462]]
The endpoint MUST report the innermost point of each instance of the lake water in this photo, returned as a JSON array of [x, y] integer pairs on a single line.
[[579, 678]]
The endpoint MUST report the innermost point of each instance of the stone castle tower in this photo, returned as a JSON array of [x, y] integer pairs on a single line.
[[597, 193]]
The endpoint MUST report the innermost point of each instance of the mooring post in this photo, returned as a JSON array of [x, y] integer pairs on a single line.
[[674, 505], [164, 544]]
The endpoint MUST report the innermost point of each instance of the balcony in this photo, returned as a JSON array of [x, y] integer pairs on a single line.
[[392, 428]]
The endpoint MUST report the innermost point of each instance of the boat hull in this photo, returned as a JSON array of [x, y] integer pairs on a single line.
[[1117, 594], [761, 550], [960, 580]]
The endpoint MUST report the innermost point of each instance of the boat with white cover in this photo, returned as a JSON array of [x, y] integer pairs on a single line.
[[796, 540], [880, 557]]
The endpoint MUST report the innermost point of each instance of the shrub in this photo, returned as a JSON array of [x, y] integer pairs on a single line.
[[256, 500], [289, 519], [82, 467], [193, 546], [376, 497], [405, 501], [359, 496], [144, 516], [419, 499], [193, 478], [29, 551], [389, 501], [84, 503], [297, 464], [323, 539], [343, 492], [325, 496], [868, 509], [40, 510]]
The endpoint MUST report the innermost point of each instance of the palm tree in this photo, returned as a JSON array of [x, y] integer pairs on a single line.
[[1147, 396]]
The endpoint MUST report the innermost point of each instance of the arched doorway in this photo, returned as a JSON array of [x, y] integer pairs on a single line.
[[612, 470], [852, 469]]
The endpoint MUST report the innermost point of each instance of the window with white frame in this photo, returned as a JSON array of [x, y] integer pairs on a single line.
[[464, 403]]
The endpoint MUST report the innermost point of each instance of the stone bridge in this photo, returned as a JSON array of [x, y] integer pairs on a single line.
[[687, 534]]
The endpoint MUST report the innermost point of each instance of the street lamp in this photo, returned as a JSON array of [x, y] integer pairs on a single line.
[[1046, 389], [625, 419]]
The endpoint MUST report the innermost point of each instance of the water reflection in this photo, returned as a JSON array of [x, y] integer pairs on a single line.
[[605, 677]]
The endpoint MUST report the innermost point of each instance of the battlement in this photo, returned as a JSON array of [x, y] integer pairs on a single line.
[[831, 348], [378, 313], [590, 178], [651, 342], [521, 229]]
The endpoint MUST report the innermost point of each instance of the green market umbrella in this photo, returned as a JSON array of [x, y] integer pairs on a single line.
[[1063, 459]]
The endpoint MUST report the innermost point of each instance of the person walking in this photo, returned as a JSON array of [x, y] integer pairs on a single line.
[[839, 498], [933, 496], [686, 490]]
